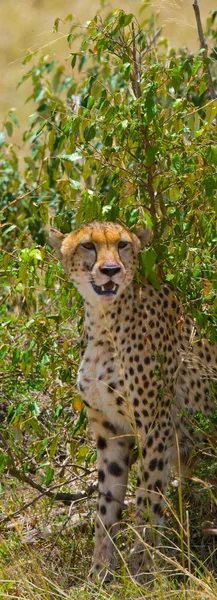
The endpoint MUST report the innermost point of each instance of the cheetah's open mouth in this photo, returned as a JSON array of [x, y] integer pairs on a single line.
[[107, 289]]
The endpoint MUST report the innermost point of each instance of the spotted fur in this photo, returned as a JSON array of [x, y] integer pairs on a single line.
[[144, 365]]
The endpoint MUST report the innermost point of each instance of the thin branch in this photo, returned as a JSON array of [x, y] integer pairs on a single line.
[[78, 496], [203, 45], [65, 497], [66, 465], [151, 42], [136, 76], [20, 198]]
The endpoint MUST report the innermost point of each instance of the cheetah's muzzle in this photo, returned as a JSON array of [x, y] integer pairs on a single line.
[[107, 289]]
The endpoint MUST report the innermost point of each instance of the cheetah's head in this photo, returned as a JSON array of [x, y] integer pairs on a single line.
[[100, 258]]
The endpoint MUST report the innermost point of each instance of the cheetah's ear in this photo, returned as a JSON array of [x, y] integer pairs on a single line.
[[56, 239], [144, 235]]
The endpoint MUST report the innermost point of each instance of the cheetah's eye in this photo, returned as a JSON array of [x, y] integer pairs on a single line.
[[88, 246], [123, 245]]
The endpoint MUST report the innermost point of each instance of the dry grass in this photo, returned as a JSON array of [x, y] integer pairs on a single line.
[[45, 555], [28, 24]]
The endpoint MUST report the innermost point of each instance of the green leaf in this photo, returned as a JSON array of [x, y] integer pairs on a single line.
[[43, 209], [9, 229], [73, 61], [58, 411], [54, 446], [70, 157], [5, 461], [23, 274], [90, 102], [150, 104], [41, 127], [2, 138], [210, 184], [124, 124], [51, 139], [49, 475], [74, 184], [13, 117], [154, 280], [24, 78], [34, 409], [150, 155], [5, 261], [177, 163], [19, 288], [126, 19], [203, 86], [111, 113], [212, 154], [27, 58], [89, 133], [80, 421], [36, 253], [9, 128], [83, 452], [148, 258], [108, 140], [56, 25], [39, 95], [122, 21]]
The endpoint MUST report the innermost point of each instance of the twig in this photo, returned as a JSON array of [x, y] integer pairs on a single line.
[[203, 45], [136, 76], [66, 497], [136, 87], [20, 198], [66, 465], [61, 531], [152, 41], [83, 495]]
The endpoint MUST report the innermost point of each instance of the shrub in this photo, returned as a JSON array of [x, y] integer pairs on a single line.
[[125, 131]]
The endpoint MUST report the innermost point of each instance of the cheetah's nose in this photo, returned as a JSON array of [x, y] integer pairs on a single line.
[[110, 271]]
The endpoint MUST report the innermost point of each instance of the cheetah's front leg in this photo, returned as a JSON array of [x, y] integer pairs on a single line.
[[154, 452], [113, 452]]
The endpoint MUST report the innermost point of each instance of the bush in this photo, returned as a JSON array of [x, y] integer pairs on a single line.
[[125, 131]]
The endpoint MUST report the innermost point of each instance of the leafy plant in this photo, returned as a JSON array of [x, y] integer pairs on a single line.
[[125, 131]]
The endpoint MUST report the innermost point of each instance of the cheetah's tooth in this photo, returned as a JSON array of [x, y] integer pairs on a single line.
[[112, 289]]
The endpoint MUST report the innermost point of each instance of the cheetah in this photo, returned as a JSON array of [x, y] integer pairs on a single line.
[[142, 367]]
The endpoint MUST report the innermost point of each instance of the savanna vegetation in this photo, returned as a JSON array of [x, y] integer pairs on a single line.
[[29, 26], [130, 134]]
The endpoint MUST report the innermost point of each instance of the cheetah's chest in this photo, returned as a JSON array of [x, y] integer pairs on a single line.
[[101, 385]]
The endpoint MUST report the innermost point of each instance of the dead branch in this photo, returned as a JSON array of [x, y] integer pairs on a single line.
[[203, 45], [68, 498], [65, 497]]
